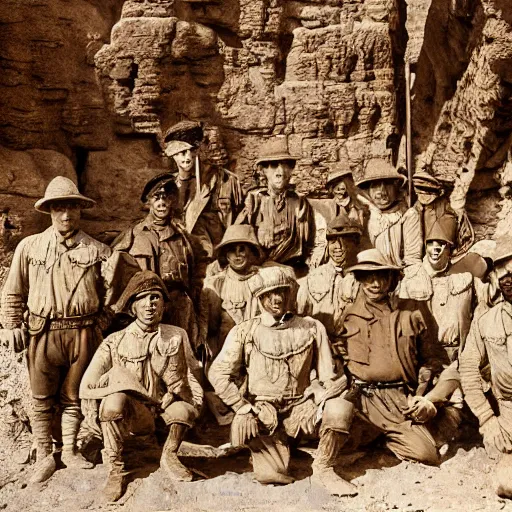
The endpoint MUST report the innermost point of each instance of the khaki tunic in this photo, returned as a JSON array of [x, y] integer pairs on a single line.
[[324, 294], [488, 343]]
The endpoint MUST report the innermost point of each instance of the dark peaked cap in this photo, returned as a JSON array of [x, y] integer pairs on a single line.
[[185, 131]]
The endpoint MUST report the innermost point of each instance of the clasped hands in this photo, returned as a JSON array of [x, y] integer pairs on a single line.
[[496, 438], [420, 409]]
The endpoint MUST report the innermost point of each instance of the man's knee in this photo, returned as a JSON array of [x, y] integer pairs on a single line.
[[180, 412], [416, 444], [112, 407], [337, 415]]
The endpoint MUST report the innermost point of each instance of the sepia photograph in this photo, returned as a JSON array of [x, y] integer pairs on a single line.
[[255, 255]]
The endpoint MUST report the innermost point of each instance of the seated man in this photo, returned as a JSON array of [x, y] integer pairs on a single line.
[[145, 369], [291, 385], [386, 351], [327, 290], [226, 299], [489, 346]]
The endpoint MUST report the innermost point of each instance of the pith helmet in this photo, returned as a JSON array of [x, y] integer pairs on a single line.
[[372, 260], [271, 278], [503, 250], [239, 234], [62, 189], [185, 131], [141, 284], [275, 150], [338, 171], [343, 226], [177, 146], [164, 180], [379, 169]]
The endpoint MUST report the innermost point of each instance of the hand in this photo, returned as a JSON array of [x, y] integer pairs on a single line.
[[90, 412], [317, 391], [267, 414], [102, 382], [420, 409], [167, 400], [244, 426], [495, 437]]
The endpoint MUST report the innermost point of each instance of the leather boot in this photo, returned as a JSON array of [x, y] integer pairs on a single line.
[[323, 465], [169, 461], [41, 424], [71, 419], [115, 486]]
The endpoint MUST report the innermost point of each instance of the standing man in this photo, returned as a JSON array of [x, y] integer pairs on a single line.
[[55, 278], [433, 206], [341, 187], [291, 386], [209, 210], [489, 346], [138, 373], [160, 244], [226, 298], [327, 290], [283, 220], [394, 229]]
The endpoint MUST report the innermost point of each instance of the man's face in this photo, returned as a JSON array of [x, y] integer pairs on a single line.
[[376, 285], [149, 309], [160, 204], [338, 251], [276, 301], [505, 284], [65, 216], [185, 161], [438, 254], [383, 193], [426, 197], [340, 191], [278, 174], [240, 256]]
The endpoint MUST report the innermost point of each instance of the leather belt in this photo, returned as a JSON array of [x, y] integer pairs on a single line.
[[55, 324], [367, 387]]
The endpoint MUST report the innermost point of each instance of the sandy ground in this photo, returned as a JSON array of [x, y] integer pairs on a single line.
[[463, 482]]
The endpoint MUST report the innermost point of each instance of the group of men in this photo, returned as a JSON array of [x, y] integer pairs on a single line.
[[341, 320]]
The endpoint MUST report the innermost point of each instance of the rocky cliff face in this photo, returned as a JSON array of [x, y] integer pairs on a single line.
[[87, 87]]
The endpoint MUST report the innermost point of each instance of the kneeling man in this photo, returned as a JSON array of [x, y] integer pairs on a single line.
[[139, 372], [291, 386]]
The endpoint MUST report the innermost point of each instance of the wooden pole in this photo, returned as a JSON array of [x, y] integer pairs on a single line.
[[408, 130], [198, 177]]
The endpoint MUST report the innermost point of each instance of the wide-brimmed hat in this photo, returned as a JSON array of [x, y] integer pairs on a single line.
[[119, 380], [62, 189], [380, 169], [239, 234], [271, 278], [142, 283], [177, 146], [274, 150], [444, 229], [503, 250], [164, 180], [185, 131], [341, 225], [338, 171], [372, 260], [423, 181]]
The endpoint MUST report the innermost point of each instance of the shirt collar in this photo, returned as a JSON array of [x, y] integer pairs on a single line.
[[269, 321], [164, 232], [69, 241]]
